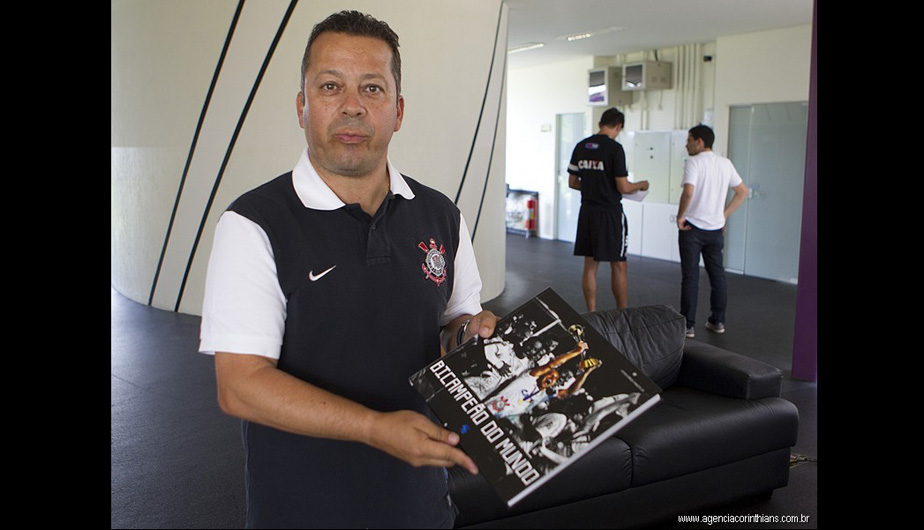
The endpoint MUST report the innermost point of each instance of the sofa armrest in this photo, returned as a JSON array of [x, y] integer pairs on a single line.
[[711, 369]]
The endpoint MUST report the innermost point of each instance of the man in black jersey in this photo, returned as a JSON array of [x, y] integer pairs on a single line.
[[598, 170], [328, 287]]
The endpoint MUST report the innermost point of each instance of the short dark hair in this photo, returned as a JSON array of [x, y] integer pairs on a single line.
[[359, 24], [612, 117], [704, 133]]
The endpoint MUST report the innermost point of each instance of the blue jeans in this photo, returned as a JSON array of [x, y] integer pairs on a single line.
[[709, 244]]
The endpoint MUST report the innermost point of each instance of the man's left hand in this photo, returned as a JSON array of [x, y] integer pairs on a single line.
[[482, 325]]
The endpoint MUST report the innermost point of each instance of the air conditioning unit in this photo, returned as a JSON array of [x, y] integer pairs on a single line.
[[604, 88], [648, 75]]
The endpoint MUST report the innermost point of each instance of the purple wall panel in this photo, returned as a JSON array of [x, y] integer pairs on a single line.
[[805, 341]]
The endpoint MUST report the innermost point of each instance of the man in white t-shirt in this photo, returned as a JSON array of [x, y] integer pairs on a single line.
[[701, 218]]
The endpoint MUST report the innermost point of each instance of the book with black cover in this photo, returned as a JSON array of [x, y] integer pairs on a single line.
[[542, 391]]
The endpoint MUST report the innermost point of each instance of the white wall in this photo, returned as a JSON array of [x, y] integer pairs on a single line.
[[534, 97], [760, 67], [163, 56]]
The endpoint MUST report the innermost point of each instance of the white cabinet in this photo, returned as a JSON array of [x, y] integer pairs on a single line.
[[633, 210], [678, 160], [651, 161], [659, 235], [658, 157]]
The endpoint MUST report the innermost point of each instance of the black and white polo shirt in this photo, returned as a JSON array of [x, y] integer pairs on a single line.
[[348, 302]]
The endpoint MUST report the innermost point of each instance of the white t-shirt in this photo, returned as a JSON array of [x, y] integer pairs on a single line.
[[244, 308], [711, 176]]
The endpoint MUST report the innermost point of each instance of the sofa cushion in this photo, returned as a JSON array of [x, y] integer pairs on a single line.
[[651, 337], [717, 371], [691, 430]]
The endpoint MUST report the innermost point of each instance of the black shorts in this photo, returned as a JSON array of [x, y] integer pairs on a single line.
[[602, 233]]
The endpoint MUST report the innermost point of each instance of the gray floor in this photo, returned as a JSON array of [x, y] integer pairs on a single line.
[[176, 460]]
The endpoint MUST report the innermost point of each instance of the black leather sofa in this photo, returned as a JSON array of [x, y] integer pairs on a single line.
[[721, 433]]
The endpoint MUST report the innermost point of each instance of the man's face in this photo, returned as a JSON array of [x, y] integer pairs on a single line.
[[694, 146], [349, 106], [548, 379]]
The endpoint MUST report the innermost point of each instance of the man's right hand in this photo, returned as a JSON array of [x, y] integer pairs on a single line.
[[413, 438], [252, 388]]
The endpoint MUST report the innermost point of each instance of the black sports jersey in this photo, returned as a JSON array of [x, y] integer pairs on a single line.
[[358, 331], [598, 161]]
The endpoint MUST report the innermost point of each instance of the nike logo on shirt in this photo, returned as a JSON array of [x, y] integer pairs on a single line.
[[315, 277]]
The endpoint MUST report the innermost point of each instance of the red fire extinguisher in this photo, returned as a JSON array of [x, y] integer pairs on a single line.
[[531, 207]]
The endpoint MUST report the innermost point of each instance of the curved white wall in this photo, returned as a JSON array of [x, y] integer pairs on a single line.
[[166, 196]]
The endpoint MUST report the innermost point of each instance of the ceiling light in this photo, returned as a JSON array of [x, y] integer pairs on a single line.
[[580, 36], [524, 47], [588, 34]]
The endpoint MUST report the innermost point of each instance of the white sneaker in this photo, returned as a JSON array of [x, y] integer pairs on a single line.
[[690, 333], [715, 328]]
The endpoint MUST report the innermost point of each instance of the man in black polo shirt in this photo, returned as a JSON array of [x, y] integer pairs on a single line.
[[598, 170], [327, 288]]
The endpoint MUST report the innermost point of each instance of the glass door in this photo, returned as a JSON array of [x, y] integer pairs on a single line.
[[767, 145], [570, 129]]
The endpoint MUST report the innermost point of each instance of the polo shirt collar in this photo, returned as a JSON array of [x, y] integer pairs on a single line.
[[317, 195]]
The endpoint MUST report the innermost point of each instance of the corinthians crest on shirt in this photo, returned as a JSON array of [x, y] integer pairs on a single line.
[[434, 263]]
